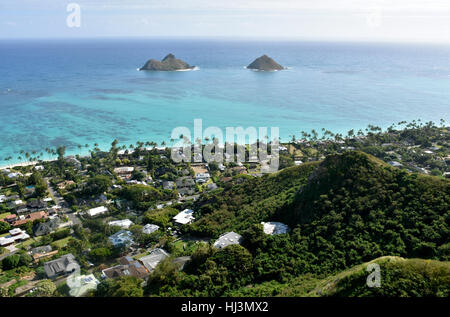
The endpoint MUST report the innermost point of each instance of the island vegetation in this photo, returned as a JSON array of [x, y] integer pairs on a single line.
[[371, 196]]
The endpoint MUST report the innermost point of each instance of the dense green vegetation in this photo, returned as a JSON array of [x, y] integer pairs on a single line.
[[343, 208], [399, 278], [351, 209], [248, 200]]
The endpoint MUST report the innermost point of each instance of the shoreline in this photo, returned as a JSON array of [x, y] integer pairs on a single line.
[[23, 164]]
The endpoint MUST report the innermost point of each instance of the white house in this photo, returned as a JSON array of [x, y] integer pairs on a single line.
[[149, 228], [14, 175], [184, 217], [124, 223], [97, 211], [152, 260], [123, 170], [81, 284], [275, 228], [227, 239]]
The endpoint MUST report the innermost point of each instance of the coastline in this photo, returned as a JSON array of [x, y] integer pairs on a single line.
[[23, 164]]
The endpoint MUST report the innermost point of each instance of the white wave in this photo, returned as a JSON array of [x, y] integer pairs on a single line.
[[188, 70]]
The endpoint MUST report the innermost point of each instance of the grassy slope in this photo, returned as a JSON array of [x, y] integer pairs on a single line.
[[400, 277]]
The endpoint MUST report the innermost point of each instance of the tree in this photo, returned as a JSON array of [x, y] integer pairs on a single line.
[[97, 185], [100, 254], [11, 262], [124, 286], [45, 288], [4, 227], [166, 274]]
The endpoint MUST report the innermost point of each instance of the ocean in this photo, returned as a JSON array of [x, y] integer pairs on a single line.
[[77, 92]]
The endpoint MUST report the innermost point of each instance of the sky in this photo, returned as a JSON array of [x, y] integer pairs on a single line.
[[339, 20]]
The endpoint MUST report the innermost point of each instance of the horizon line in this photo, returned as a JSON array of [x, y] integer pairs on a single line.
[[229, 38]]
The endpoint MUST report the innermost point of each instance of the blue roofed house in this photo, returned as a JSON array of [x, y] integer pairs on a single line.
[[122, 238]]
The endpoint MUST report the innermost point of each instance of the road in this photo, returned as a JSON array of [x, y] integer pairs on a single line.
[[61, 202]]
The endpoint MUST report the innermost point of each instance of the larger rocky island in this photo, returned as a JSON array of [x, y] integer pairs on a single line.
[[169, 63], [265, 63]]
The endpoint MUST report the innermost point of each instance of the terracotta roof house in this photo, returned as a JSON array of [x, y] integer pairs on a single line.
[[31, 217], [127, 266]]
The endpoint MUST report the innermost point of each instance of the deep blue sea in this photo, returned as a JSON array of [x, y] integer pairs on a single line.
[[61, 92]]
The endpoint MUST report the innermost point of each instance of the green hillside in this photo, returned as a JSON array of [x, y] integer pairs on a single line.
[[346, 211], [399, 277]]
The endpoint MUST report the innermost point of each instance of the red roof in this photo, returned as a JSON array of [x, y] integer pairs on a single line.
[[31, 217]]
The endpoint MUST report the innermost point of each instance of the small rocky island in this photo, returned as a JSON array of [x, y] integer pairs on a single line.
[[169, 63], [265, 63]]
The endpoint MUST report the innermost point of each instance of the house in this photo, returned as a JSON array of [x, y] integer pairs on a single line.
[[10, 218], [395, 164], [226, 179], [127, 266], [101, 199], [275, 228], [123, 170], [184, 217], [185, 185], [2, 198], [42, 252], [298, 162], [239, 170], [152, 260], [44, 228], [122, 238], [150, 228], [31, 217], [168, 185], [6, 241], [62, 266], [228, 239], [73, 161], [22, 210], [97, 211], [14, 175], [211, 186], [202, 176], [39, 168], [65, 184], [16, 203], [15, 235], [81, 284], [181, 261], [37, 204], [124, 224]]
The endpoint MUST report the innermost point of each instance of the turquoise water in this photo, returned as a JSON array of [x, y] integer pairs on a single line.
[[88, 91]]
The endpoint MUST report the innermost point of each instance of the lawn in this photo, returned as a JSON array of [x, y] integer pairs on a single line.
[[28, 242], [182, 248], [3, 215], [61, 243]]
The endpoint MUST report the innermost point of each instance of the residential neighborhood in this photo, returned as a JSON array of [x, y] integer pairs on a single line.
[[126, 211]]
